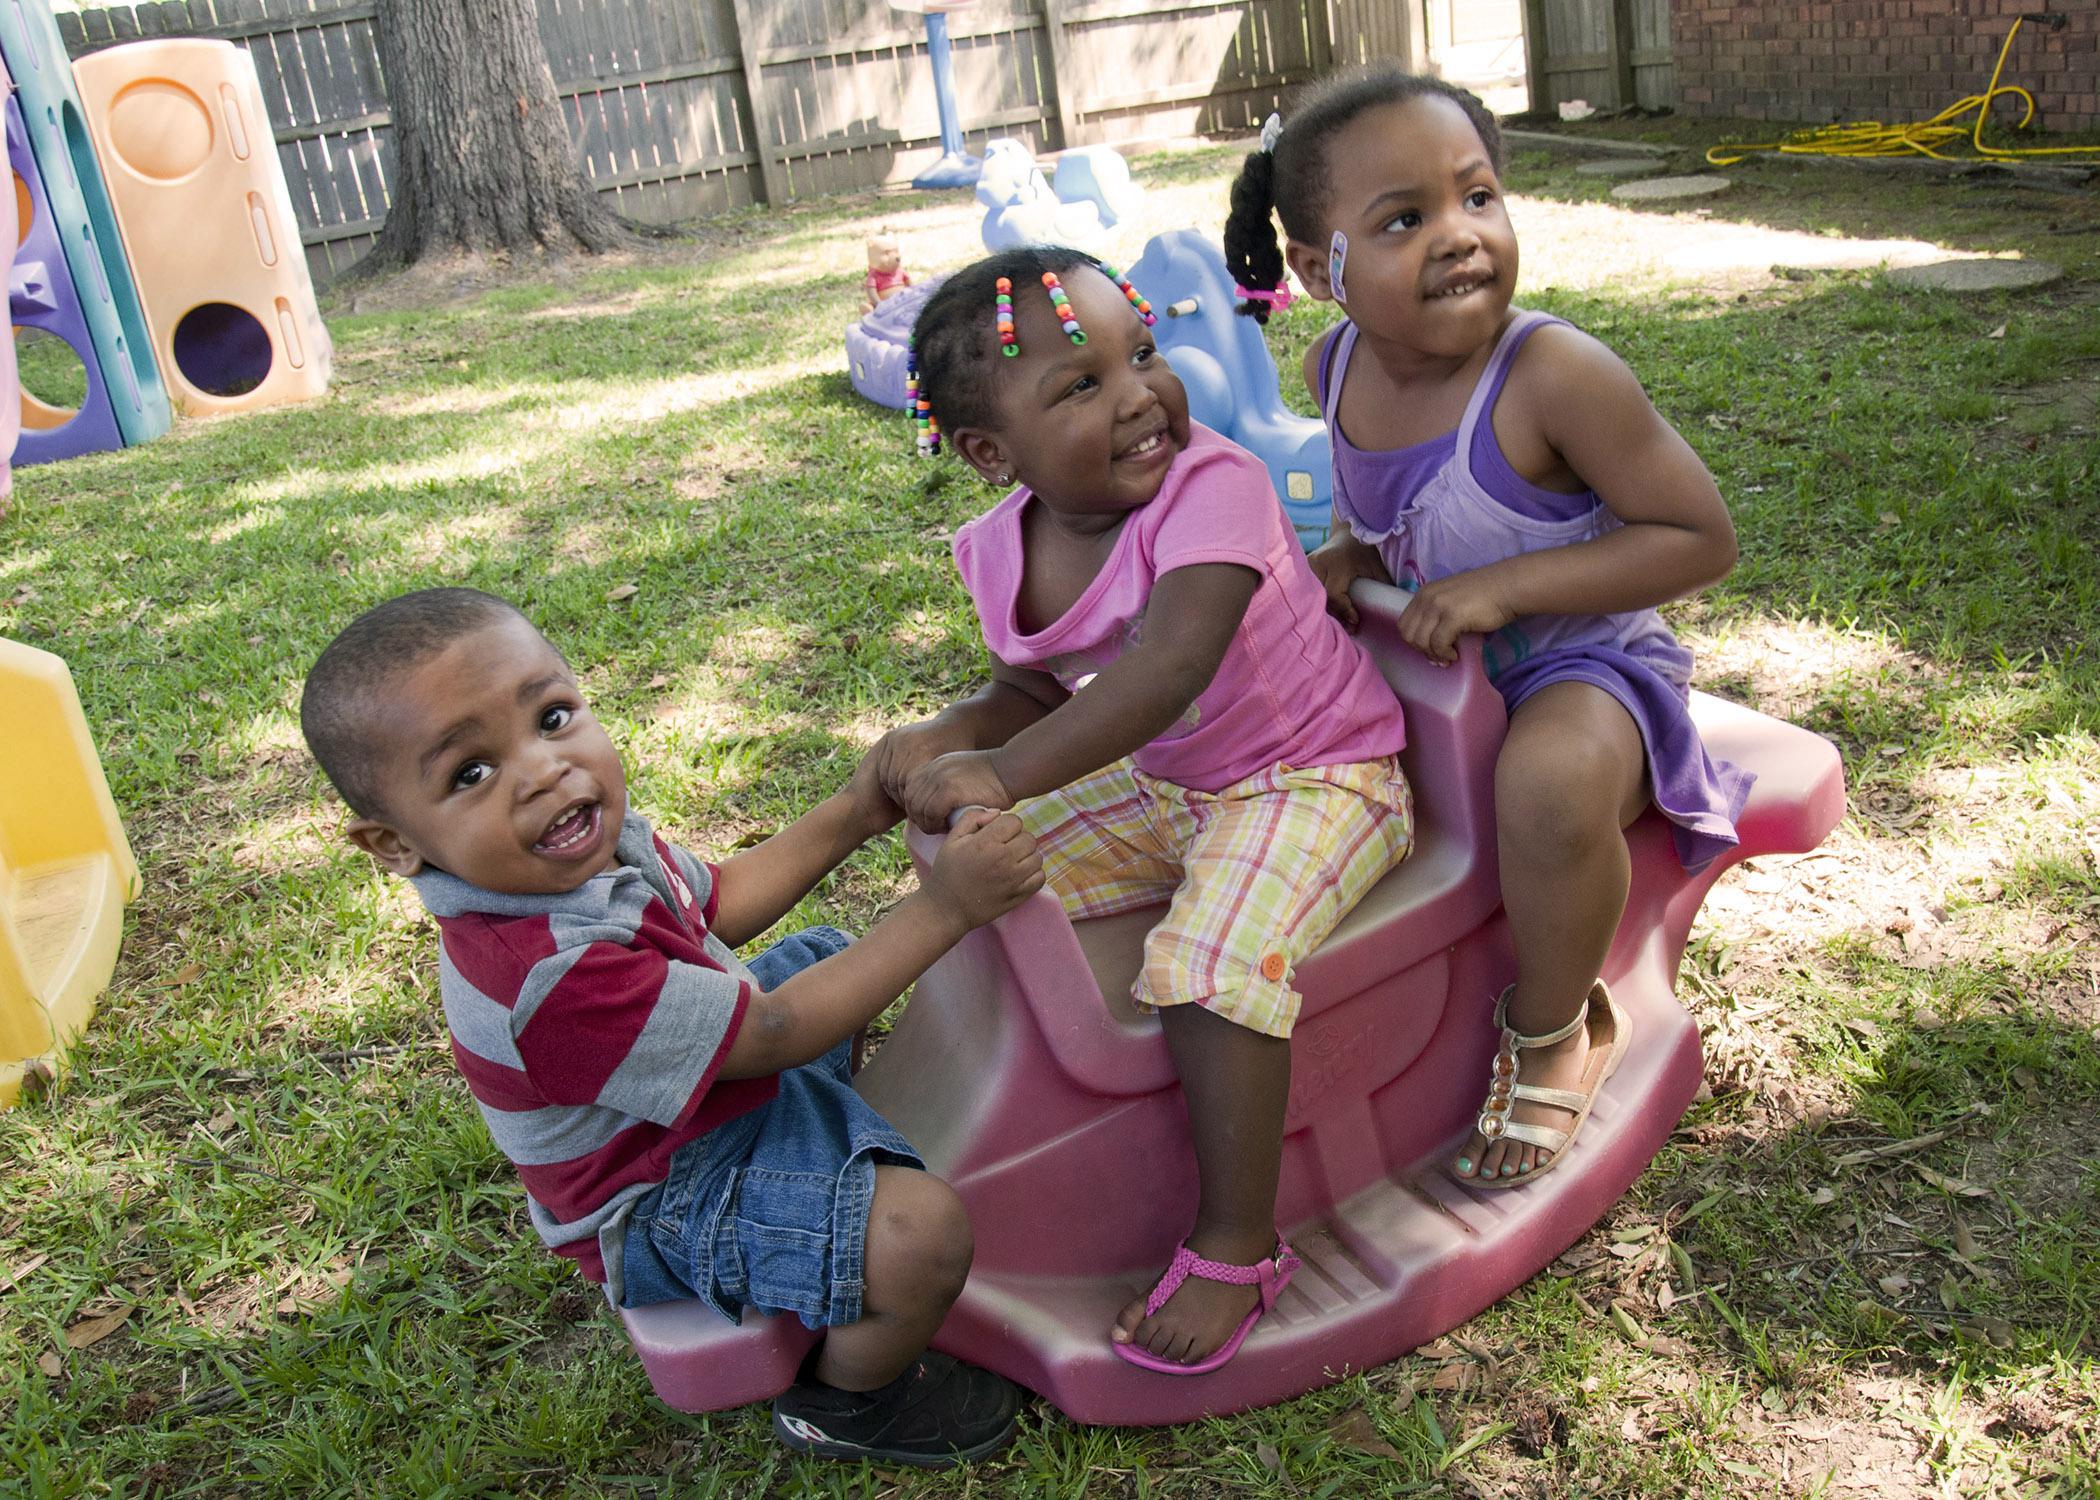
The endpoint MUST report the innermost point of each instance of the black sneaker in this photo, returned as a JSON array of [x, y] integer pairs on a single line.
[[937, 1413]]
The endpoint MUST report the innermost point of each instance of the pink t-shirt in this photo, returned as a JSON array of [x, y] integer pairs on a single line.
[[1293, 688]]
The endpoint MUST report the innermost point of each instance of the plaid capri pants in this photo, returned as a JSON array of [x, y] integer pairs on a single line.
[[1254, 875]]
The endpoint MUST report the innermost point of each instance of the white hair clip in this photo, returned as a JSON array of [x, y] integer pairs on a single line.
[[1271, 132]]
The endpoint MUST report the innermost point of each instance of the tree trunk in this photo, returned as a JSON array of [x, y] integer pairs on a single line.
[[483, 156]]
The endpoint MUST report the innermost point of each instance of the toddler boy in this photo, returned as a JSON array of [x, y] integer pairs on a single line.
[[684, 1124]]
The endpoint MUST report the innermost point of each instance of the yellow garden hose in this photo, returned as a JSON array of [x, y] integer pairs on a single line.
[[1872, 138]]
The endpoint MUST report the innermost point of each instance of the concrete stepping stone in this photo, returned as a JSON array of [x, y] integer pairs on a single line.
[[1671, 189], [1620, 167], [1978, 274]]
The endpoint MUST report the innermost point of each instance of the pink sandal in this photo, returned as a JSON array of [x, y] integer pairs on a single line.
[[1271, 1275]]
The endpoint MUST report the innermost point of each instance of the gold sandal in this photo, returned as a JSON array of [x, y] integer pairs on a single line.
[[1607, 1048]]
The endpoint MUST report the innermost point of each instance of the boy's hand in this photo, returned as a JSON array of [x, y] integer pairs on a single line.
[[959, 779], [1340, 561], [1441, 612], [988, 866], [874, 810], [909, 746]]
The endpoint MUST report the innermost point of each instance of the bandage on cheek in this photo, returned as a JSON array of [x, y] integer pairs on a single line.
[[1337, 258]]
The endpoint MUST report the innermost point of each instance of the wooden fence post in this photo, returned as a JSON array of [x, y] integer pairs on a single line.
[[771, 172], [1618, 41], [1535, 58], [1062, 73]]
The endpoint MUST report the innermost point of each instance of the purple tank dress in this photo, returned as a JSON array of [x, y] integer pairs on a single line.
[[1453, 504]]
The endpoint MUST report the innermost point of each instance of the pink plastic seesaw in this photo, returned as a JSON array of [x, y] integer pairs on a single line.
[[1057, 1116]]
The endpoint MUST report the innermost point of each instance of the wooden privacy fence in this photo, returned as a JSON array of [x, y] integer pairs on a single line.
[[1612, 53], [681, 108]]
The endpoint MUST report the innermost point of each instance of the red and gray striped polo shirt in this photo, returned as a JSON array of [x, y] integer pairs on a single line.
[[590, 1026]]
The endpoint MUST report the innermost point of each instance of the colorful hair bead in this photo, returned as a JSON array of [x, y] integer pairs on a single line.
[[917, 407], [1062, 306], [1007, 345], [1144, 308]]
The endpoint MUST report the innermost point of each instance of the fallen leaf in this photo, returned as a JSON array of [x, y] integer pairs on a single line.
[[1681, 1258], [288, 1306], [20, 1273], [1354, 1430], [1993, 1331], [91, 1331], [1965, 1242], [1823, 1195], [221, 1121], [624, 591], [2028, 1082], [1629, 1250], [1455, 1377], [1663, 1344], [51, 1364], [1623, 1321], [1441, 1349], [1946, 1184], [1998, 332], [187, 974], [1267, 1456], [1893, 1286], [659, 680]]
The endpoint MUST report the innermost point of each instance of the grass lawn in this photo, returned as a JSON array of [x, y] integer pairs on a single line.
[[1868, 1263]]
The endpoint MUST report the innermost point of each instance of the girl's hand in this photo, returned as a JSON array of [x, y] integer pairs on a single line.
[[875, 811], [909, 746], [1463, 604], [985, 868], [1340, 561], [959, 779]]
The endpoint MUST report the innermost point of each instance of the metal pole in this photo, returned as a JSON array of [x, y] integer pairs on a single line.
[[956, 168]]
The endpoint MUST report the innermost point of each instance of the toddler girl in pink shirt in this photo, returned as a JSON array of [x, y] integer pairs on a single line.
[[1174, 711]]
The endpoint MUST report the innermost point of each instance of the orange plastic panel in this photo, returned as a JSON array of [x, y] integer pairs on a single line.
[[186, 147]]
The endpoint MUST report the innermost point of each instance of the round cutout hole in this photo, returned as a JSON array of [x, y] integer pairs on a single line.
[[160, 129], [222, 350], [54, 380], [25, 211]]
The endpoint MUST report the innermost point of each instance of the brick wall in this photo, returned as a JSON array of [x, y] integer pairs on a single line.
[[1895, 61]]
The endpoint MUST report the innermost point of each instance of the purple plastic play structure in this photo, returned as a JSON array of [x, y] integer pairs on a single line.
[[41, 295], [1057, 1116], [877, 344], [10, 384]]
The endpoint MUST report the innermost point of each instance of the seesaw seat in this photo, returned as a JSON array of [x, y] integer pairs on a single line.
[[1056, 1115]]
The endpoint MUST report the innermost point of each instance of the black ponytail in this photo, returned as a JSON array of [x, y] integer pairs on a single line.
[[1252, 254]]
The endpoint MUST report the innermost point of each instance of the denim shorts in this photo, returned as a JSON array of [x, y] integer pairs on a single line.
[[770, 1210]]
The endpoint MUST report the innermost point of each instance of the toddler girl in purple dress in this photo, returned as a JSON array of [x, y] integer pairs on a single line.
[[1509, 471]]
